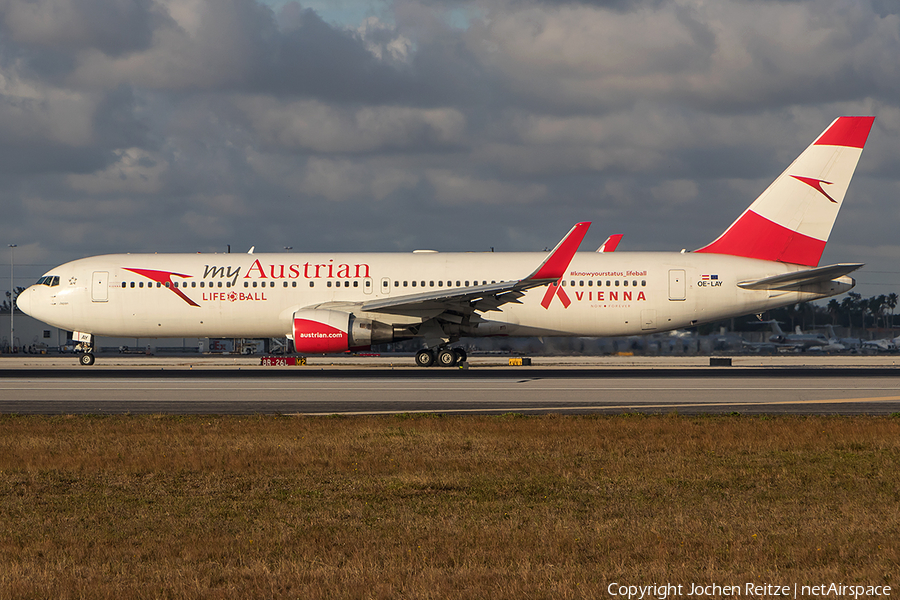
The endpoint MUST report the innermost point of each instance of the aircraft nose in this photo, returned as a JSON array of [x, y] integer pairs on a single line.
[[24, 301]]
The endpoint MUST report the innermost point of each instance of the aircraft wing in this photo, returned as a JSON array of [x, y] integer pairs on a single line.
[[488, 297], [789, 281], [611, 243]]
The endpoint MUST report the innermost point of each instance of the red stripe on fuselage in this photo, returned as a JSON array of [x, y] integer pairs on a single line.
[[754, 236]]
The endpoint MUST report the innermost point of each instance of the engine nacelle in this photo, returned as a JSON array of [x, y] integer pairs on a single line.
[[319, 331]]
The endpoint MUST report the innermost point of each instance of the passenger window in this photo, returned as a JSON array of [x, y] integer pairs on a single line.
[[404, 284], [346, 284], [573, 283], [201, 284], [368, 283], [617, 283], [174, 284], [581, 283], [634, 283], [158, 284], [590, 283], [293, 284], [626, 283], [643, 283], [246, 284], [564, 283], [440, 284], [423, 284], [430, 284], [285, 284], [312, 284], [355, 283], [194, 284], [141, 284], [328, 284], [414, 284], [132, 284]]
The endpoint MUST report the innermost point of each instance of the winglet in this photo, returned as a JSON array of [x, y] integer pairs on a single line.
[[555, 265], [611, 243]]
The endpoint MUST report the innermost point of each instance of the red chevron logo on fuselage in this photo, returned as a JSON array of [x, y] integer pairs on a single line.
[[815, 184], [164, 278]]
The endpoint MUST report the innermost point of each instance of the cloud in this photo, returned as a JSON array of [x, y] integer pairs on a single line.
[[134, 172], [455, 189], [113, 27], [310, 125]]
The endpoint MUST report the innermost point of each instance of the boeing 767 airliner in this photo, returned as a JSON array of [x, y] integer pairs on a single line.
[[329, 303]]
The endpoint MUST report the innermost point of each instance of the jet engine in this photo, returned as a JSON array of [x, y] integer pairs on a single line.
[[321, 331]]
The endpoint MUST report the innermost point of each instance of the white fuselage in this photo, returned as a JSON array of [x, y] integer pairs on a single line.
[[255, 295]]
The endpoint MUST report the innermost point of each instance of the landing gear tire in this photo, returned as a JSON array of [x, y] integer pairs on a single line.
[[87, 359], [447, 357], [461, 355], [424, 358]]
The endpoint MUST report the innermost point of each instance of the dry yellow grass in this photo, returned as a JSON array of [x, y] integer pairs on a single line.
[[427, 507]]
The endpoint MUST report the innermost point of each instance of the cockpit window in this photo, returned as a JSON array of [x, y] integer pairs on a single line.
[[49, 280]]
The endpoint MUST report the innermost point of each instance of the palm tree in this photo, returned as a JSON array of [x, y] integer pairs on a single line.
[[892, 304], [834, 309], [875, 304]]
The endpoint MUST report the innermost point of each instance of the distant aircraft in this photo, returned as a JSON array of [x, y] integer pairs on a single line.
[[328, 303], [882, 345], [848, 343], [797, 340]]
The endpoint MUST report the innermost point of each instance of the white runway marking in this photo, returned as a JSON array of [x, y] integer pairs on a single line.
[[610, 407]]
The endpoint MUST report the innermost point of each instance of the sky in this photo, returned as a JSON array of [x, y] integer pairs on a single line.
[[191, 125]]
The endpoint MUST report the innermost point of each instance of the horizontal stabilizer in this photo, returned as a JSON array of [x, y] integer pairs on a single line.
[[800, 278]]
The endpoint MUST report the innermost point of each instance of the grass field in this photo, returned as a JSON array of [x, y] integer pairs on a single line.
[[442, 507]]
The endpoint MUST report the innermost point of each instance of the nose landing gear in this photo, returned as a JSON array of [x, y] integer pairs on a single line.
[[85, 347]]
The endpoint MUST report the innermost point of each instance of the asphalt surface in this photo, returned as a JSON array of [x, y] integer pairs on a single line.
[[389, 386]]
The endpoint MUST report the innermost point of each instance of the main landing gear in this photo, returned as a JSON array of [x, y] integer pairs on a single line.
[[443, 357]]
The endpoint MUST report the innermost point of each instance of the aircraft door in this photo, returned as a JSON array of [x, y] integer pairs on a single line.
[[385, 286], [100, 286], [676, 284]]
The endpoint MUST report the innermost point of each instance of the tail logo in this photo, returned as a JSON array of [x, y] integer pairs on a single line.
[[815, 184], [555, 289]]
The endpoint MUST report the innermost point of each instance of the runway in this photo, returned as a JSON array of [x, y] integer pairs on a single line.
[[351, 389]]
